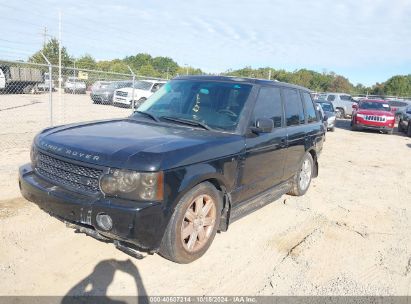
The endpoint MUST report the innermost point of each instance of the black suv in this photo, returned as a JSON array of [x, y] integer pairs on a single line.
[[200, 153]]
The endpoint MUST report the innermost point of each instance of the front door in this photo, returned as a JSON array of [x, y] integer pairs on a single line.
[[263, 163]]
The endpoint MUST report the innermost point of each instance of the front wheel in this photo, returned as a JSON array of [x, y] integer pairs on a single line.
[[302, 179], [193, 225]]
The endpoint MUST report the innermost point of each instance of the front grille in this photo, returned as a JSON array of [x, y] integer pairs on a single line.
[[77, 177], [375, 118], [122, 93]]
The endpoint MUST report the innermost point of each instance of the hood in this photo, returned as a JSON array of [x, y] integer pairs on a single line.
[[129, 90], [102, 91], [374, 112], [138, 145], [329, 114]]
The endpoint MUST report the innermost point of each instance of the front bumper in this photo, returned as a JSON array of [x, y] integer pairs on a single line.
[[140, 224], [101, 97]]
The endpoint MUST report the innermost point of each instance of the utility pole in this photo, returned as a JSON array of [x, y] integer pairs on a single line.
[[167, 72], [45, 36], [269, 74]]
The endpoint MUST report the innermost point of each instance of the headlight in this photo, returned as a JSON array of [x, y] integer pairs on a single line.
[[133, 185], [361, 115], [389, 117]]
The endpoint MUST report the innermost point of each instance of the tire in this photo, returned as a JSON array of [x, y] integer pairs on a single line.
[[409, 129], [173, 246], [299, 188], [353, 127], [332, 129], [139, 102], [400, 128]]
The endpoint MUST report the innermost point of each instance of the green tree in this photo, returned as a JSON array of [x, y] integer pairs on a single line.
[[86, 62], [147, 70], [164, 64], [398, 86], [137, 61], [51, 51]]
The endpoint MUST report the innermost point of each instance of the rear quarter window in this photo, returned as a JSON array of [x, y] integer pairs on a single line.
[[309, 108]]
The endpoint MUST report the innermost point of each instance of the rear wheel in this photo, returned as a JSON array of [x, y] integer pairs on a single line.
[[302, 179], [400, 128], [193, 224]]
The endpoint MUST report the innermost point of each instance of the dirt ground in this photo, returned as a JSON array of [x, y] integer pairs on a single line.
[[349, 235]]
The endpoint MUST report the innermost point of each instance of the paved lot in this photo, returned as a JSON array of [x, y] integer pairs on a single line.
[[350, 234]]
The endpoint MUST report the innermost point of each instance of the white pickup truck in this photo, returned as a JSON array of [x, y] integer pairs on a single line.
[[342, 103], [19, 79], [143, 89]]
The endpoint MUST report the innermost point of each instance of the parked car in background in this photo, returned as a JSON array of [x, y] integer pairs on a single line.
[[201, 153], [143, 89], [342, 103], [329, 113], [397, 106], [45, 86], [75, 86], [374, 115], [404, 121], [103, 92]]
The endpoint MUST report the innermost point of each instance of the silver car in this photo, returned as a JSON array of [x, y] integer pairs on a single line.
[[329, 113]]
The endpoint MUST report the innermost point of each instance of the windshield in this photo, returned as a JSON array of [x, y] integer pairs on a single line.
[[322, 96], [327, 107], [215, 104], [142, 85], [370, 105]]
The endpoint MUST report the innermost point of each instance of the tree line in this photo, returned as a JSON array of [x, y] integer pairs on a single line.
[[165, 67]]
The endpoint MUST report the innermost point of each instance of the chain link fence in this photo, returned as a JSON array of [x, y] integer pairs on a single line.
[[31, 100]]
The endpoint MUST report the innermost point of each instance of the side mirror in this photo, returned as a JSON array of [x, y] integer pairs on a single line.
[[263, 125], [325, 118]]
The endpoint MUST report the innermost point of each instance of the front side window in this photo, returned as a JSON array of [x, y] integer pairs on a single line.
[[269, 105], [216, 104], [345, 97], [309, 108], [331, 97], [294, 112]]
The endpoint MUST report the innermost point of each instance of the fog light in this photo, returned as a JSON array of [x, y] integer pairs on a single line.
[[104, 221]]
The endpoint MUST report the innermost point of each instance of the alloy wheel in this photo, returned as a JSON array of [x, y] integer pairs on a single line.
[[198, 223], [305, 174]]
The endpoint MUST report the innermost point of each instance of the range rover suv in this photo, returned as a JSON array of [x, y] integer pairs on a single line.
[[200, 153]]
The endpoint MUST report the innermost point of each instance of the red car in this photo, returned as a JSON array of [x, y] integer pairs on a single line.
[[374, 115]]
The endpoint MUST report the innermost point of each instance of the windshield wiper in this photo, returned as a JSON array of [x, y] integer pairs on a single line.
[[187, 122], [147, 114]]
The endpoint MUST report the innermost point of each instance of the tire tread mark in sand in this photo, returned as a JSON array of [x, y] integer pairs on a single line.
[[21, 106], [289, 252]]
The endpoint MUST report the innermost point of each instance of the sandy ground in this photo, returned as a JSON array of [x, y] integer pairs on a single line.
[[349, 235]]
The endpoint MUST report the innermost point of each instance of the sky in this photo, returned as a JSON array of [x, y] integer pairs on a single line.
[[367, 41]]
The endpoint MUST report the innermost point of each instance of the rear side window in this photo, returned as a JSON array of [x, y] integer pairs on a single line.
[[331, 97], [269, 105], [309, 108], [345, 97], [294, 112]]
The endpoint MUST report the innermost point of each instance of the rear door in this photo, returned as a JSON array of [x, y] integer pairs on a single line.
[[263, 165], [296, 130]]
